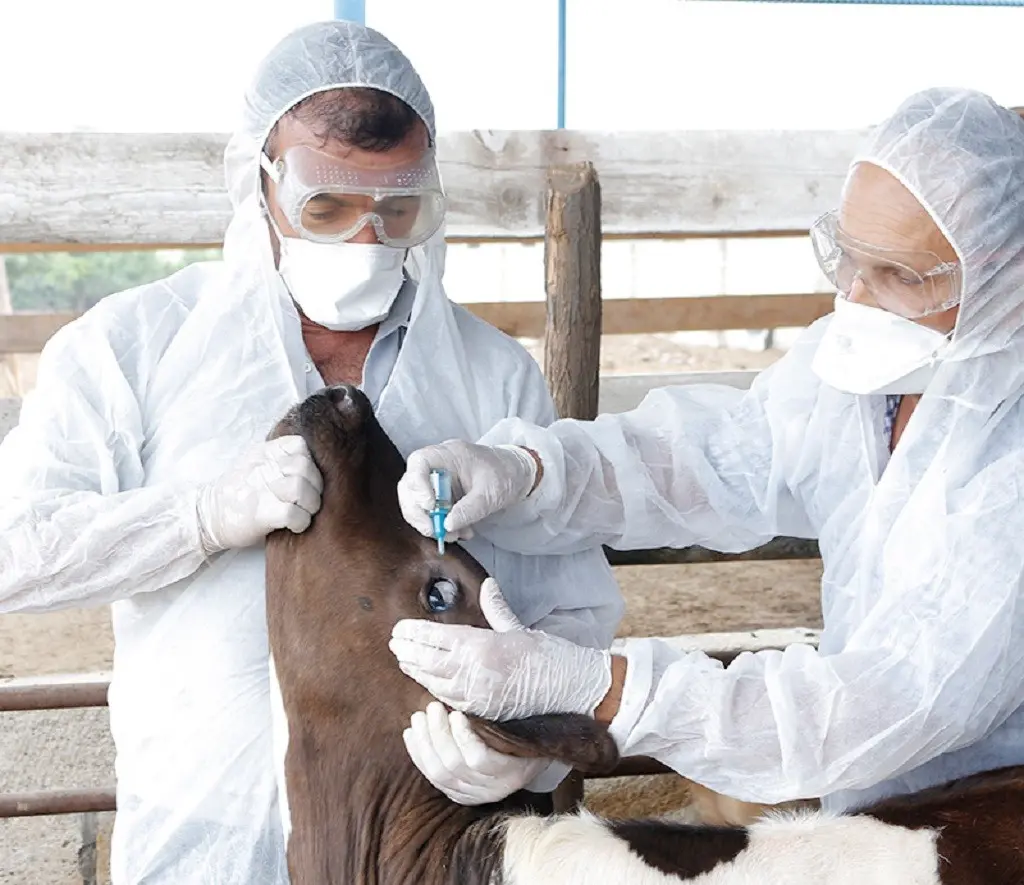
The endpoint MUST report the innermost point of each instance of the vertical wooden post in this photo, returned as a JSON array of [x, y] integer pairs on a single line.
[[87, 850], [572, 335], [568, 795], [572, 264], [10, 377]]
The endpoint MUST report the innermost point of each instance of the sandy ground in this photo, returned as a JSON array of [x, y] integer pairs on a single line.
[[664, 353], [72, 749]]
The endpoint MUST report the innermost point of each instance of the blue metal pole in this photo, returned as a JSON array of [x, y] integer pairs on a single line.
[[895, 2], [561, 64], [351, 10]]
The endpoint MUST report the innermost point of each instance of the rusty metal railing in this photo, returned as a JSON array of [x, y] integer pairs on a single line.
[[69, 692]]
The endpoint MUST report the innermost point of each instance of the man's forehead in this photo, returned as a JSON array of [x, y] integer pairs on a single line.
[[878, 210], [292, 132]]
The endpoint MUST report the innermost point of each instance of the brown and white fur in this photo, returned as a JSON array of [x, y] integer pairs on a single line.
[[358, 812]]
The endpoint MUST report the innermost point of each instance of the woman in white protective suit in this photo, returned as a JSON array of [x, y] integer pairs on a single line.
[[893, 432], [140, 476]]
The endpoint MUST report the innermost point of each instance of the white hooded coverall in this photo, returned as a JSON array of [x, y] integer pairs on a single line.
[[160, 388], [920, 673]]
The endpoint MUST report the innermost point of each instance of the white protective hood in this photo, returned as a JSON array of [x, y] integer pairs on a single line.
[[163, 387], [920, 674]]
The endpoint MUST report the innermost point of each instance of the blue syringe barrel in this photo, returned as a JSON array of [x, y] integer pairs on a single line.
[[441, 484]]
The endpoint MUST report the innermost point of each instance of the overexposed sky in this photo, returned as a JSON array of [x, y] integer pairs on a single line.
[[136, 65]]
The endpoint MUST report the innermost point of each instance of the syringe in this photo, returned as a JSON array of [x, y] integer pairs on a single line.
[[441, 483]]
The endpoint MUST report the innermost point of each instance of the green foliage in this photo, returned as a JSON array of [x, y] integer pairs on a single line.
[[75, 281]]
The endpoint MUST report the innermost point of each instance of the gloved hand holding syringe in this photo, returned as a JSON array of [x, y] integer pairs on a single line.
[[485, 480]]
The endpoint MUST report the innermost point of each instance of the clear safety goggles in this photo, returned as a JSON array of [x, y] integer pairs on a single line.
[[912, 284], [328, 201]]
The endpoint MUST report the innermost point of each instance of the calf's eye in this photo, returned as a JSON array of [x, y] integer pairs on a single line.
[[442, 595]]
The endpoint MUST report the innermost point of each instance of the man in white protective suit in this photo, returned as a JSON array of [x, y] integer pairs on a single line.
[[893, 432], [140, 475]]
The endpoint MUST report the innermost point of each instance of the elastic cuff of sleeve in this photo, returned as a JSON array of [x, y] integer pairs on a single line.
[[208, 545], [603, 659], [549, 778], [635, 690], [529, 458]]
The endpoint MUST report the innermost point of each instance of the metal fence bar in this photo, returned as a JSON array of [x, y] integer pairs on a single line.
[[44, 802], [54, 693]]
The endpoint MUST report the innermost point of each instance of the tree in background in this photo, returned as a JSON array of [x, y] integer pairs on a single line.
[[75, 281]]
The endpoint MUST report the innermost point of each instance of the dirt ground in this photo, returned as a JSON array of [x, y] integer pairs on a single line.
[[665, 353], [70, 749]]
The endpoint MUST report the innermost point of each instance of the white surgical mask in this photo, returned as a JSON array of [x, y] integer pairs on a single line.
[[869, 350], [342, 286]]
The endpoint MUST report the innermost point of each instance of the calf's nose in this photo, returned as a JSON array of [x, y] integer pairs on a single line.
[[340, 395]]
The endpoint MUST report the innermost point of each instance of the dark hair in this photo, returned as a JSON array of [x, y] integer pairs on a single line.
[[364, 118]]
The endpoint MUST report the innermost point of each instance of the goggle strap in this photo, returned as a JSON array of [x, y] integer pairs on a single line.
[[270, 168]]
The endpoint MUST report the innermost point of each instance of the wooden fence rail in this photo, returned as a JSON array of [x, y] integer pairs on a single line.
[[28, 332], [102, 190]]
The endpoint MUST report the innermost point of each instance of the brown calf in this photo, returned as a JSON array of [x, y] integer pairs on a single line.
[[358, 812]]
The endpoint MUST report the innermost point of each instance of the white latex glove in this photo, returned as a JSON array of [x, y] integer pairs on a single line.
[[454, 759], [511, 672], [485, 479], [276, 485]]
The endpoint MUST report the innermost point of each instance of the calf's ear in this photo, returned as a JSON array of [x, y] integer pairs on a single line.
[[571, 738]]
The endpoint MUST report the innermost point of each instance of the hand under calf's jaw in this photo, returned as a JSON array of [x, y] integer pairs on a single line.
[[456, 761]]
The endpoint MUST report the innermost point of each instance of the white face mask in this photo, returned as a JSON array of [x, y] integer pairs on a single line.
[[342, 286], [869, 350]]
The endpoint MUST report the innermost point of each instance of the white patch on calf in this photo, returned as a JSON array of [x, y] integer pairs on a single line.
[[814, 846], [571, 850], [783, 850], [279, 740]]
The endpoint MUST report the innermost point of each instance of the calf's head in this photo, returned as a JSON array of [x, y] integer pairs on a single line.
[[335, 591], [359, 567]]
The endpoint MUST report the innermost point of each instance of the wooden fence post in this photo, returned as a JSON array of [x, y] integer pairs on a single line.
[[568, 795], [572, 270], [572, 335], [10, 376], [87, 850]]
